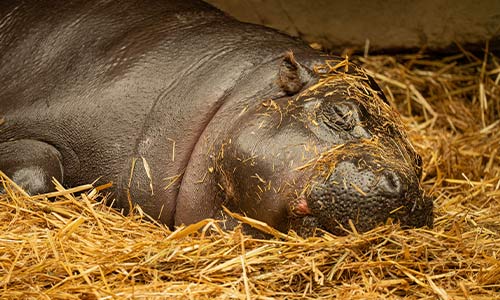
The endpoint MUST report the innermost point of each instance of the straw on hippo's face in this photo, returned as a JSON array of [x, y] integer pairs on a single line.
[[373, 173], [336, 154]]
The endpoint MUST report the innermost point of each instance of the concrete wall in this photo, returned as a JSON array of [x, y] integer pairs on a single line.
[[387, 24]]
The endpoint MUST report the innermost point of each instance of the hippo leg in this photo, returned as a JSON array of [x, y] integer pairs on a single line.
[[31, 164]]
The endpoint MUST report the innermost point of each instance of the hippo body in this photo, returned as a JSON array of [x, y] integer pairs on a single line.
[[185, 109]]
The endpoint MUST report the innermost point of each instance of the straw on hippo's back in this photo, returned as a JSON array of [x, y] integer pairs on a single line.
[[185, 110]]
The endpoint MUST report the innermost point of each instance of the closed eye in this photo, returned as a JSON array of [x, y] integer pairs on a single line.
[[339, 117]]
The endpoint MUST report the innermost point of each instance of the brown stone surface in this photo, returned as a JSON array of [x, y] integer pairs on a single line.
[[389, 24]]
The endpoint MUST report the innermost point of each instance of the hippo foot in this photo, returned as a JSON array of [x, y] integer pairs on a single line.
[[31, 165]]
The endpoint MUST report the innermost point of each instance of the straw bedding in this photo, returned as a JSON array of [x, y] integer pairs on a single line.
[[77, 248]]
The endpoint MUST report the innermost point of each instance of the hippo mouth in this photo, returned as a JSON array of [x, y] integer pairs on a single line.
[[336, 207], [361, 193]]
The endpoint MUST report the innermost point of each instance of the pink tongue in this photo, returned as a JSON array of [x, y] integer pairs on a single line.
[[301, 208]]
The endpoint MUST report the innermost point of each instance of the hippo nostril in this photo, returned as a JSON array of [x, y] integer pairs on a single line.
[[391, 183]]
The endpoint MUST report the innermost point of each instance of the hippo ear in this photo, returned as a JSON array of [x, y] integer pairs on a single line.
[[292, 76]]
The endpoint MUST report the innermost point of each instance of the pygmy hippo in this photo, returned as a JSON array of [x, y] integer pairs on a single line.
[[187, 110]]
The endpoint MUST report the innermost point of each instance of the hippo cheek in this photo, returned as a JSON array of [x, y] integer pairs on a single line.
[[368, 198]]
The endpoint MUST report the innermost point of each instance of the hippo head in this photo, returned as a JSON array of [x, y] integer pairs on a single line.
[[328, 152]]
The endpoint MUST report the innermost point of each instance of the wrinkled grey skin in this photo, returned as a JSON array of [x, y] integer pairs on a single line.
[[185, 110]]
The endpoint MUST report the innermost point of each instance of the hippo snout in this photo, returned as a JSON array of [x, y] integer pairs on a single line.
[[369, 194]]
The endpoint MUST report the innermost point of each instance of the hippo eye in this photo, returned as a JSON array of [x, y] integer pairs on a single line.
[[339, 116]]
